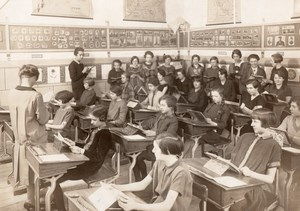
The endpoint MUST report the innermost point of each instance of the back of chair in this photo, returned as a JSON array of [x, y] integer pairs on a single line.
[[201, 192]]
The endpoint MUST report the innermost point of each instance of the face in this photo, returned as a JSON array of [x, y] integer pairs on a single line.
[[180, 75], [95, 121], [195, 60], [135, 62], [216, 97], [123, 79], [236, 58], [251, 90], [112, 95], [79, 56], [156, 150], [196, 84], [148, 58], [159, 77], [168, 61], [278, 80], [294, 109], [222, 76], [213, 63], [253, 62], [256, 124], [164, 107], [151, 87], [117, 65]]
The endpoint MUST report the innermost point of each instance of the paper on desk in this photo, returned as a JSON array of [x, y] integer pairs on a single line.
[[103, 198], [54, 158], [216, 167], [134, 137], [291, 149], [229, 181]]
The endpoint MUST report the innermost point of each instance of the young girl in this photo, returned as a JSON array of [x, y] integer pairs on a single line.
[[135, 73], [152, 100], [165, 121], [255, 72], [169, 70], [183, 84], [197, 96], [64, 115], [258, 156], [149, 67], [211, 73], [163, 86], [195, 69], [88, 96], [117, 110], [128, 92], [227, 84], [114, 75], [277, 66], [172, 182]]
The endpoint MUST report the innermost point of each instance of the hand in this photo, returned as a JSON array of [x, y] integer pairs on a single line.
[[85, 70], [127, 203], [76, 149], [73, 103], [150, 133], [246, 171]]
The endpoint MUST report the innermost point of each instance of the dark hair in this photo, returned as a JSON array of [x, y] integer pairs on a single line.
[[99, 112], [197, 78], [237, 52], [266, 116], [280, 74], [167, 56], [77, 50], [170, 101], [214, 58], [90, 81], [116, 89], [254, 83], [277, 57], [149, 53], [220, 90], [181, 71], [29, 70], [133, 58], [222, 71], [117, 61], [126, 75], [253, 56], [154, 81], [162, 72], [64, 95], [195, 55], [296, 100], [169, 144]]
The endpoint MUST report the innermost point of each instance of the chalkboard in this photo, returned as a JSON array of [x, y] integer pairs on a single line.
[[141, 38], [235, 37], [282, 36], [47, 37], [2, 38]]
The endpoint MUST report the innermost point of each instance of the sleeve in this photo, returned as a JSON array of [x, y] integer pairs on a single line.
[[224, 118], [86, 99], [245, 72], [173, 126], [109, 80], [41, 111], [284, 124], [148, 124], [74, 75], [272, 75], [122, 114], [275, 156], [263, 73], [69, 116], [180, 182], [288, 92], [260, 101], [202, 100]]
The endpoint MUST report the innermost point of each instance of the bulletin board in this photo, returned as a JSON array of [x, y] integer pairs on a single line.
[[2, 38], [47, 37], [235, 37], [282, 36], [142, 38]]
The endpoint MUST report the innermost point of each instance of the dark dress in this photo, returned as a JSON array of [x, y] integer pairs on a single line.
[[170, 74], [114, 77], [198, 98], [77, 77], [229, 89]]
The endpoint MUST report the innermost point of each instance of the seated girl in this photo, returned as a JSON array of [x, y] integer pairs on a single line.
[[149, 67], [196, 69], [88, 96], [227, 84], [114, 75], [169, 70], [152, 100], [197, 96], [258, 156], [211, 73], [135, 73], [163, 86], [95, 148], [171, 179], [64, 115], [117, 111], [128, 92], [183, 84], [165, 121]]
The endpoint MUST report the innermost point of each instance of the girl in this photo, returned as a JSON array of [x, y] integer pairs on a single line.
[[258, 156], [88, 96], [172, 182], [211, 73], [152, 100], [28, 118], [163, 86], [114, 75], [277, 67], [128, 92], [149, 67], [135, 73], [183, 84], [169, 70], [255, 72], [64, 115], [227, 84], [197, 96], [195, 69], [165, 121]]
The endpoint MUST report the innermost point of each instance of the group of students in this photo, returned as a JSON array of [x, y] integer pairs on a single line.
[[257, 153]]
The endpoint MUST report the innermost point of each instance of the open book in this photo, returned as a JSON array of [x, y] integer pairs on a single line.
[[134, 104], [222, 164]]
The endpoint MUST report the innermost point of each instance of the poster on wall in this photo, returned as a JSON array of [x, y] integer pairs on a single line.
[[70, 8], [223, 12], [53, 75], [145, 10]]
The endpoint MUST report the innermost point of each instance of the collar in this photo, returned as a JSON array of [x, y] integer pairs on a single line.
[[163, 116], [264, 135], [25, 88], [173, 166], [76, 61]]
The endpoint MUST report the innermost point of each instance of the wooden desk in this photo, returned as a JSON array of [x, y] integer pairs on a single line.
[[141, 115], [290, 162], [221, 196], [277, 108], [51, 171], [193, 130], [84, 121], [131, 149], [6, 137], [239, 121], [4, 113]]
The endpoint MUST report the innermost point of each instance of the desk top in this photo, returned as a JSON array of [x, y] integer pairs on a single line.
[[189, 121], [4, 110]]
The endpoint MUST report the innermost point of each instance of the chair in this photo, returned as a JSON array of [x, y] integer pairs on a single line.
[[201, 192], [273, 198]]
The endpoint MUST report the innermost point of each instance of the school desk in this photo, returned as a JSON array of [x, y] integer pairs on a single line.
[[4, 113], [138, 115], [75, 198], [130, 148], [239, 121], [290, 162], [193, 130], [84, 122], [219, 195], [50, 170], [6, 137]]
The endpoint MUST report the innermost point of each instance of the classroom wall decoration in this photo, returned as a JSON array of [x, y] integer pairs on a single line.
[[70, 8], [47, 37], [145, 10], [2, 38], [235, 37]]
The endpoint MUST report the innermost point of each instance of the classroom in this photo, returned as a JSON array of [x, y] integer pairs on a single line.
[[173, 105]]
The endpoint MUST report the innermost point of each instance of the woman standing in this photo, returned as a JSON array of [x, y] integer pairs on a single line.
[[28, 117]]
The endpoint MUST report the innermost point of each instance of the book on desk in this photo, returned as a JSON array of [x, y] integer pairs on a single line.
[[270, 97]]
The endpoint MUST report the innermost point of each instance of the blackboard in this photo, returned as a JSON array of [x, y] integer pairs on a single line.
[[2, 38], [47, 37], [282, 36], [141, 38], [234, 37]]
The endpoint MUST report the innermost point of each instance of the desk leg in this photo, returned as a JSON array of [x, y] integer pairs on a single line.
[[287, 189], [238, 133], [50, 191], [37, 192], [133, 156], [4, 156], [196, 140]]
